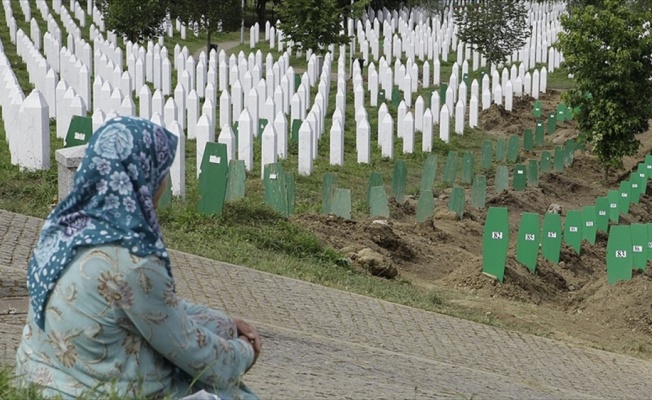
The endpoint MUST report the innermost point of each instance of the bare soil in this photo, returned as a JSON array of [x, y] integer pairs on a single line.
[[570, 301]]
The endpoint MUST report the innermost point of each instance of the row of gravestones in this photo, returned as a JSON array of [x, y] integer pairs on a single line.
[[629, 246]]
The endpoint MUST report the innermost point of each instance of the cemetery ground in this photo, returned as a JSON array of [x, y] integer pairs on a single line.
[[438, 261]]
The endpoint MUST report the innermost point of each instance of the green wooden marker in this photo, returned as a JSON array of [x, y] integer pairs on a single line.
[[539, 134], [79, 132], [399, 181], [569, 152], [533, 173], [450, 171], [467, 168], [375, 179], [559, 159], [213, 179], [501, 150], [648, 165], [487, 154], [635, 190], [342, 203], [479, 191], [528, 140], [602, 212], [552, 123], [296, 125], [614, 204], [456, 201], [495, 242], [236, 181], [545, 164], [649, 241], [551, 237], [625, 201], [520, 179], [378, 206], [396, 99], [642, 172], [619, 254], [429, 173], [425, 205], [291, 189], [513, 149], [573, 230], [561, 112], [275, 183], [537, 108], [639, 246], [589, 224], [527, 242], [502, 178], [329, 184]]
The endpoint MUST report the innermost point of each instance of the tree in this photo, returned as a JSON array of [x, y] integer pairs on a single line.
[[495, 28], [316, 24], [211, 16], [137, 20], [608, 50]]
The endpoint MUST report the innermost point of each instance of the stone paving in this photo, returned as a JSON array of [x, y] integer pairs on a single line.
[[324, 343]]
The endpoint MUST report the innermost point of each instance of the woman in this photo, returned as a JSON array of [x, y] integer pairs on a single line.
[[104, 316]]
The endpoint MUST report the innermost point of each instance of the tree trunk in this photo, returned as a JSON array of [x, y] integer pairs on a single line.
[[261, 11], [208, 41]]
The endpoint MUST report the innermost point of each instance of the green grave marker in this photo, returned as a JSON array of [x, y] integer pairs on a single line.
[[502, 178], [425, 205], [442, 93], [429, 172], [329, 184], [501, 150], [537, 108], [589, 223], [479, 191], [614, 204], [648, 165], [456, 201], [399, 181], [296, 125], [527, 242], [378, 206], [262, 123], [539, 134], [561, 112], [80, 131], [276, 193], [166, 198], [374, 180], [602, 211], [396, 99], [342, 203], [569, 152], [545, 164], [487, 154], [513, 149], [625, 201], [381, 96], [528, 140], [519, 180], [450, 171], [495, 242], [573, 230], [649, 241], [635, 188], [467, 168], [297, 81], [559, 159], [639, 246], [236, 182], [213, 179], [533, 173], [551, 237], [619, 254], [291, 191], [552, 123], [642, 173]]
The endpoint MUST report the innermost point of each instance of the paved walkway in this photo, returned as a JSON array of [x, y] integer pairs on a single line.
[[325, 343]]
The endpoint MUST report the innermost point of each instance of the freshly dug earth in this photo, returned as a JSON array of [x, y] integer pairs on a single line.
[[570, 301]]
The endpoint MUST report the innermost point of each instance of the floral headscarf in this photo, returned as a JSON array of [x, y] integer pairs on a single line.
[[111, 201]]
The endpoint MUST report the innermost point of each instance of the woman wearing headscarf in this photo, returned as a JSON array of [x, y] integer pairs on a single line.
[[104, 316]]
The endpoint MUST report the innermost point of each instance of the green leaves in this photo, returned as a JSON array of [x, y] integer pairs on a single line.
[[608, 48], [495, 28]]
